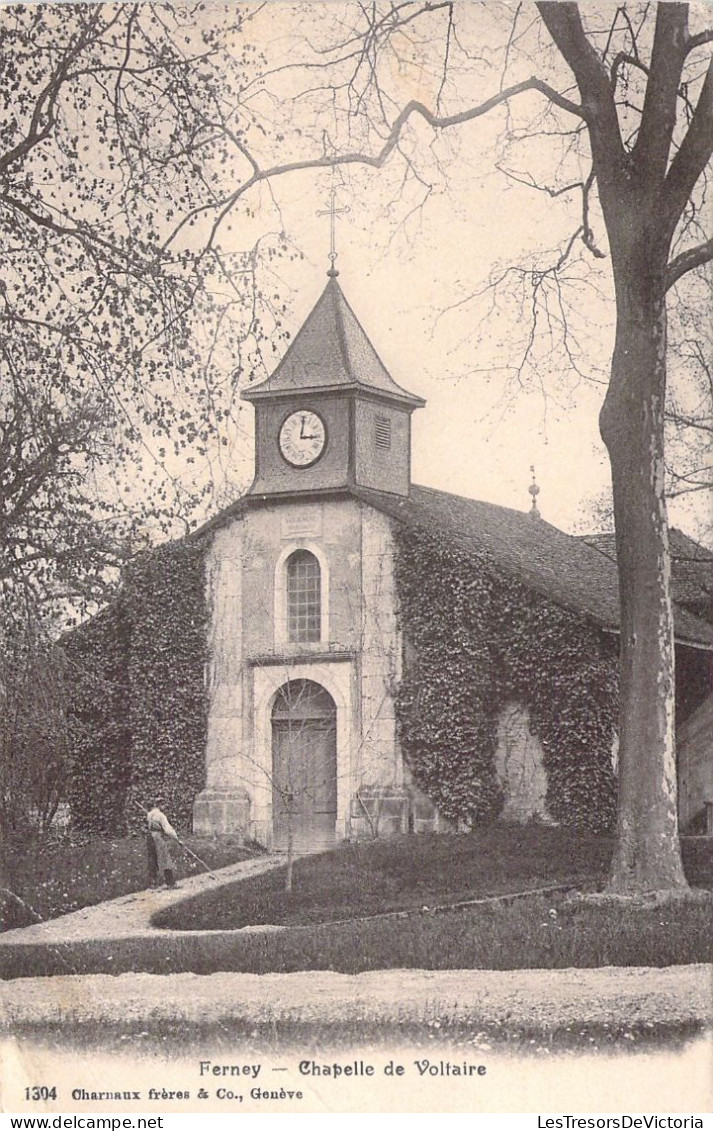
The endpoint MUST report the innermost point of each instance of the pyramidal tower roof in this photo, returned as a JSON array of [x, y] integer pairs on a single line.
[[331, 351]]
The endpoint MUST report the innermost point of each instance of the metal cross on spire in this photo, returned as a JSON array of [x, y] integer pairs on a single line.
[[333, 212], [534, 491]]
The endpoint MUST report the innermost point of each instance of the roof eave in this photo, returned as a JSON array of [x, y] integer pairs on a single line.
[[355, 388]]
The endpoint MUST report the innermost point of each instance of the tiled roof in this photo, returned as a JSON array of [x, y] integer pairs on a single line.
[[331, 351], [566, 568], [691, 569], [560, 566]]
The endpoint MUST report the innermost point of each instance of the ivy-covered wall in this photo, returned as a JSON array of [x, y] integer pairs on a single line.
[[168, 707], [100, 739], [477, 640], [139, 694]]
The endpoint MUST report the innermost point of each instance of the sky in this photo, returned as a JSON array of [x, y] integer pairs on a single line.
[[419, 242], [470, 438], [414, 265]]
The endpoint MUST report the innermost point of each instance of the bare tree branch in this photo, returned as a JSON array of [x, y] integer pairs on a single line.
[[687, 261], [693, 155], [376, 161]]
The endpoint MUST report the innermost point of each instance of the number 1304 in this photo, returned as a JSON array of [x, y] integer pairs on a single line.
[[41, 1092]]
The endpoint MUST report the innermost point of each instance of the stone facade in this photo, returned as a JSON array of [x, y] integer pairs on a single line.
[[356, 660], [520, 767]]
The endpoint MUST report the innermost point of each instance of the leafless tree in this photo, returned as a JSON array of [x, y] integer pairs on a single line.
[[689, 409]]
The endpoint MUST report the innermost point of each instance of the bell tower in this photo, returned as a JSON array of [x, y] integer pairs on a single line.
[[331, 416]]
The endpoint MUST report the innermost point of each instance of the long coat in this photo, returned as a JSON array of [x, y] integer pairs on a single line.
[[164, 837]]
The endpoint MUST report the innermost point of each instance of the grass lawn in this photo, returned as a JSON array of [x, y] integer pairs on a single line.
[[412, 876], [56, 877], [534, 932], [406, 873]]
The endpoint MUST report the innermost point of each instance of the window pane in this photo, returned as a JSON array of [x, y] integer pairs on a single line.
[[303, 597]]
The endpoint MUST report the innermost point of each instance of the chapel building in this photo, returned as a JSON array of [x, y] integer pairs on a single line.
[[306, 648]]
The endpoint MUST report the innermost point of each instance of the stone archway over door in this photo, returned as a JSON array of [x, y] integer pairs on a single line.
[[304, 767]]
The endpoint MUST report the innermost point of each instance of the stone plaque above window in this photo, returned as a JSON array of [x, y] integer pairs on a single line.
[[305, 523]]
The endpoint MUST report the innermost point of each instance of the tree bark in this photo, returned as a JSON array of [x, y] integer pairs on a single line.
[[647, 855], [643, 192]]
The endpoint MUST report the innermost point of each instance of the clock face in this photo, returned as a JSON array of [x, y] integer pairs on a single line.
[[302, 438]]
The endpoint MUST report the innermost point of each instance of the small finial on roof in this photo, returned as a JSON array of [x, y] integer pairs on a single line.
[[534, 490], [332, 212]]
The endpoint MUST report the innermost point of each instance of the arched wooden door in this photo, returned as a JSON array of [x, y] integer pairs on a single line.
[[304, 767]]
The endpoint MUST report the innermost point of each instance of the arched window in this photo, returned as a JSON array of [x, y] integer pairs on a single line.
[[304, 598]]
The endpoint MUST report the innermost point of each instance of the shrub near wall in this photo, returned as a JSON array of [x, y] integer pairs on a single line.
[[139, 696], [97, 695], [477, 640], [165, 595]]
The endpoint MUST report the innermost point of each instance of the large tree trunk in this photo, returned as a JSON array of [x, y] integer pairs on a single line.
[[645, 181], [647, 856]]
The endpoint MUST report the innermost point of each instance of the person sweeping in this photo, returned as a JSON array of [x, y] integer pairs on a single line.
[[160, 840]]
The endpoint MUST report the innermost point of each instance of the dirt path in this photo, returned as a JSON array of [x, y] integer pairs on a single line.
[[130, 916], [545, 1000]]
